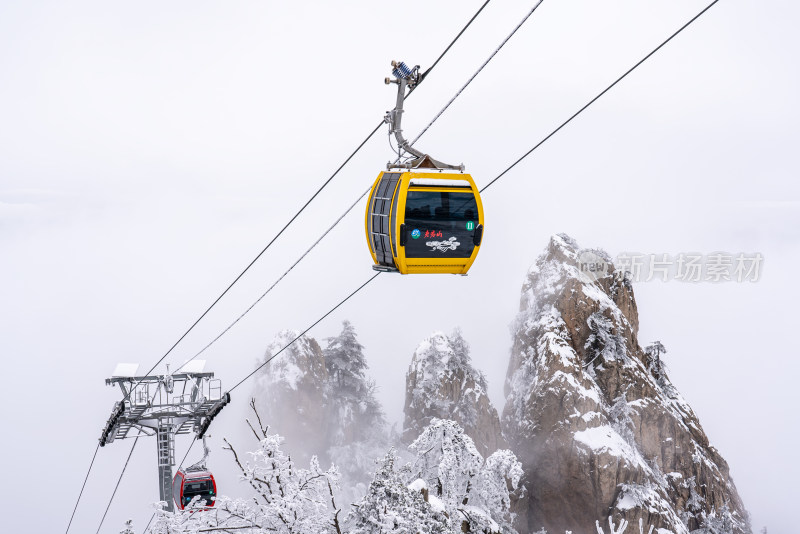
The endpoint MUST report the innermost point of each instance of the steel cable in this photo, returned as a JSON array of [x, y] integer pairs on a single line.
[[362, 286], [604, 91], [265, 293], [374, 276], [85, 479], [308, 202], [247, 268], [469, 81], [114, 493]]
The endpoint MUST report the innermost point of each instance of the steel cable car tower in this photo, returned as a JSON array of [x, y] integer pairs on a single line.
[[164, 406]]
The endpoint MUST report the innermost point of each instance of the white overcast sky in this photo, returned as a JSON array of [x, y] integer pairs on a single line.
[[148, 151]]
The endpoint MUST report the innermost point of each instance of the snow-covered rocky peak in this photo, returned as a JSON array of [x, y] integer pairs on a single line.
[[290, 392], [300, 362], [593, 417], [439, 355], [581, 291], [323, 402], [442, 383]]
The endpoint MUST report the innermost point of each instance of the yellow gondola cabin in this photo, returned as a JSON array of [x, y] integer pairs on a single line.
[[424, 222]]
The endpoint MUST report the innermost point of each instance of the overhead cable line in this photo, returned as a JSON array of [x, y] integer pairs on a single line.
[[306, 204], [604, 91], [347, 160], [483, 189], [362, 286], [469, 81], [315, 323], [446, 50], [265, 293], [241, 316], [302, 208], [348, 297], [124, 467], [85, 479], [114, 493]]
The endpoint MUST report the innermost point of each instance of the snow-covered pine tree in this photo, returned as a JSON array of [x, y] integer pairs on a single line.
[[351, 393], [717, 522], [447, 460], [653, 353], [604, 344], [474, 491], [356, 425], [391, 507], [499, 470], [657, 367], [620, 415], [344, 358], [466, 408], [695, 502], [286, 498]]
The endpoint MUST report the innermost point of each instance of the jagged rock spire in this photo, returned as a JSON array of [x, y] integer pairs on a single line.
[[290, 393], [597, 433], [442, 383]]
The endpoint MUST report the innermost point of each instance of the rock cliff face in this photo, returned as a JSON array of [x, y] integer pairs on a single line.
[[442, 383], [291, 394], [323, 402], [593, 417]]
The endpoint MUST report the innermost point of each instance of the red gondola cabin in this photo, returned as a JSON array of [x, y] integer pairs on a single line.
[[190, 484]]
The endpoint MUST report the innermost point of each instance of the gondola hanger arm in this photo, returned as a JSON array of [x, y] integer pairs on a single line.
[[408, 78]]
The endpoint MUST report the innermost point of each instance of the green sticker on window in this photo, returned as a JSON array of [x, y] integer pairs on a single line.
[[470, 225]]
